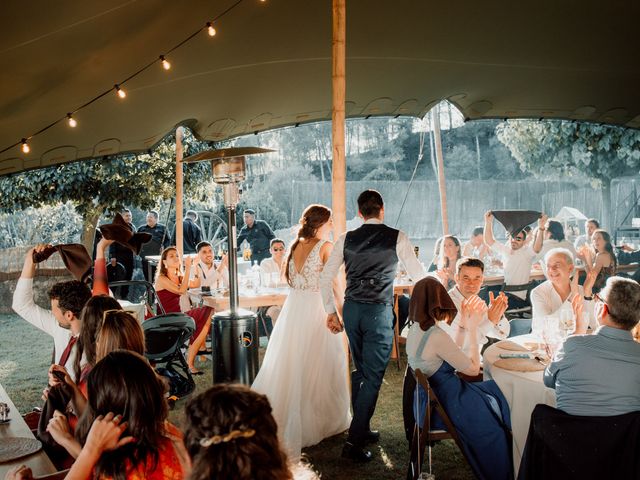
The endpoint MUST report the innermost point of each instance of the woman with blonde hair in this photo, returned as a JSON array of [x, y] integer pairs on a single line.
[[304, 371]]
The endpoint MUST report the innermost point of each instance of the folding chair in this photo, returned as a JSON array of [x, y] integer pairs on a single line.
[[164, 336], [425, 435]]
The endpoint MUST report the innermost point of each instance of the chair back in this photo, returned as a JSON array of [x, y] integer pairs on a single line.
[[148, 295], [165, 334], [520, 288], [562, 446]]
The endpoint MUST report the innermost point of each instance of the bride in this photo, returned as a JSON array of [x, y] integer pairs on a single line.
[[304, 371]]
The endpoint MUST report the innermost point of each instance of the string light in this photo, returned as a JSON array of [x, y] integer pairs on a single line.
[[165, 63], [121, 93], [72, 122]]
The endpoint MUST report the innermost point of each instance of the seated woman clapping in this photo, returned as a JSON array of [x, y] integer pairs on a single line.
[[478, 410], [124, 382]]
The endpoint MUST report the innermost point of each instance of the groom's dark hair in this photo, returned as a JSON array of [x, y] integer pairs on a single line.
[[370, 203]]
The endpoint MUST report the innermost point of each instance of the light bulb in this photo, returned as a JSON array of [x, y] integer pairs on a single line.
[[121, 93], [25, 146], [165, 63], [210, 29], [71, 121]]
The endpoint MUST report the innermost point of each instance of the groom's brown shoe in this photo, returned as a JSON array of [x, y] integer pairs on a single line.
[[356, 453]]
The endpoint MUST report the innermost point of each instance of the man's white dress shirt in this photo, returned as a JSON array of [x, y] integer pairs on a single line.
[[486, 328], [209, 276], [44, 320], [404, 250], [546, 301]]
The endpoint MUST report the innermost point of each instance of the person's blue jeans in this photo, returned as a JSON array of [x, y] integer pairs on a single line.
[[369, 328]]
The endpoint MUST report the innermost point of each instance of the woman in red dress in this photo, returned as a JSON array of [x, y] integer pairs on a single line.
[[170, 286]]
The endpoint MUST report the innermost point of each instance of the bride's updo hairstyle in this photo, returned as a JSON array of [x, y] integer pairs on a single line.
[[313, 217]]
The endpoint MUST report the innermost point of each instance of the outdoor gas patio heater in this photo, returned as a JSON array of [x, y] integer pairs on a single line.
[[235, 331]]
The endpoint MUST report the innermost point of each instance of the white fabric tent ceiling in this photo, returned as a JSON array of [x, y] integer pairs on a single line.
[[270, 66]]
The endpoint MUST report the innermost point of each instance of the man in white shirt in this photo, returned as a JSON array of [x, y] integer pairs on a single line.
[[475, 247], [516, 257], [556, 293], [271, 267], [469, 278], [210, 275], [274, 264], [371, 254], [62, 322], [590, 226]]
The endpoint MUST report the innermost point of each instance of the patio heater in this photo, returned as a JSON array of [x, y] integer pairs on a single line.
[[235, 331]]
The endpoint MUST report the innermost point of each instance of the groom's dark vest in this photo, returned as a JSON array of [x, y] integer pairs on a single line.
[[370, 259]]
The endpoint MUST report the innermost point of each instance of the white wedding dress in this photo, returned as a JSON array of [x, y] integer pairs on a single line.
[[304, 371]]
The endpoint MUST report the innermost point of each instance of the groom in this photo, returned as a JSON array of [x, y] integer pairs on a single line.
[[370, 254]]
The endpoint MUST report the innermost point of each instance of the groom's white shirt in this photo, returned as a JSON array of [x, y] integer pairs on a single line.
[[405, 253]]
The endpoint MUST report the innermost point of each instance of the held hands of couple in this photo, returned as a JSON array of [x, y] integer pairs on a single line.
[[334, 324]]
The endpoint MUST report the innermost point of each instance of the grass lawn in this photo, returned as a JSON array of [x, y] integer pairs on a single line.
[[25, 355]]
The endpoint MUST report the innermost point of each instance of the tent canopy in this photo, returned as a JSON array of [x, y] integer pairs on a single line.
[[567, 214], [270, 66]]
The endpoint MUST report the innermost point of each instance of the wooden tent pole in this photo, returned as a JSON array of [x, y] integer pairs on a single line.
[[339, 170], [179, 190], [435, 115]]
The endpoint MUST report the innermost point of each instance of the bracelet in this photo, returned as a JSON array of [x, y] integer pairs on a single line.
[[588, 298]]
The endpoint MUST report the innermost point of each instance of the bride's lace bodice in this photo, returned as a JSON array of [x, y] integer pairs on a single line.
[[309, 276]]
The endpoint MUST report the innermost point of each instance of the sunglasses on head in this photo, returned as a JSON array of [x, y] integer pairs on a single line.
[[106, 313]]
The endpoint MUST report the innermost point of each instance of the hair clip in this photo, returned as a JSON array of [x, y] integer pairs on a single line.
[[229, 437]]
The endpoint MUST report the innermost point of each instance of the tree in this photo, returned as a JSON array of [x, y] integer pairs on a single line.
[[106, 184], [552, 148]]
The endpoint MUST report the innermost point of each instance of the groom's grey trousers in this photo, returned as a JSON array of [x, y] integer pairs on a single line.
[[369, 328]]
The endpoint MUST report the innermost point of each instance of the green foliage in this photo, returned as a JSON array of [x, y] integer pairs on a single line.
[[271, 195], [549, 148], [58, 223], [106, 184]]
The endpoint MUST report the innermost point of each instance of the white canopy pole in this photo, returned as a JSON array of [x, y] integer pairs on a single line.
[[435, 115]]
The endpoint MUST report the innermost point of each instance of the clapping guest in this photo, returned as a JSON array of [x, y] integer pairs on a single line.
[[469, 278], [210, 275], [170, 285], [152, 447], [231, 433], [478, 410], [558, 291], [601, 259]]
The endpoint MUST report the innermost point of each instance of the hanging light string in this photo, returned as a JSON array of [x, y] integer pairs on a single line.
[[208, 27]]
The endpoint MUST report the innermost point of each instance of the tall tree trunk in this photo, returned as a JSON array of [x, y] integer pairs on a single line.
[[605, 193], [89, 224]]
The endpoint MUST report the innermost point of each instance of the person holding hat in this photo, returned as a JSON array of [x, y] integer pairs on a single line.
[[258, 233], [517, 258]]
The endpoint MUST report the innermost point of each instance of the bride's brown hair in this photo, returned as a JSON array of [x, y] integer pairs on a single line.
[[313, 217]]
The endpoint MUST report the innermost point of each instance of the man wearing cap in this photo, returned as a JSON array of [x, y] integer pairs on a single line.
[[517, 258], [258, 233]]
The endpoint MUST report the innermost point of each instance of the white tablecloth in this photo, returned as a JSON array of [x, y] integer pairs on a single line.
[[523, 391]]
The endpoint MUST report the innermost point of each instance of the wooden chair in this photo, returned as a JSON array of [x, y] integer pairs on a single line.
[[426, 436]]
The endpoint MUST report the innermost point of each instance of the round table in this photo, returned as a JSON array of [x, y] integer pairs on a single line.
[[523, 391]]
